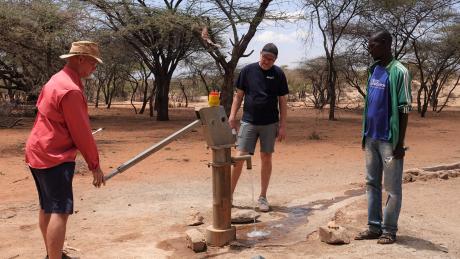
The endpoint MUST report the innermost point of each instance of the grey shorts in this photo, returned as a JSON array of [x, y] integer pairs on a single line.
[[249, 133]]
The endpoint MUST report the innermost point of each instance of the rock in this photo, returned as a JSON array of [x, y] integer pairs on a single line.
[[194, 219], [432, 175], [453, 173], [444, 176], [442, 167], [422, 178], [414, 171], [258, 257], [408, 178], [332, 225], [244, 216], [195, 240], [333, 234], [428, 176]]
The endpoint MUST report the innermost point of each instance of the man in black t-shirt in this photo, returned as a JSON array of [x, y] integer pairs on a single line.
[[264, 88]]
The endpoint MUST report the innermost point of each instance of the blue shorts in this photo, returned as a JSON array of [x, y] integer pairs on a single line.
[[249, 133], [54, 187]]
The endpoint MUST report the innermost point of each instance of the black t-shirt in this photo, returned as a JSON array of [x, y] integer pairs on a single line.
[[261, 91]]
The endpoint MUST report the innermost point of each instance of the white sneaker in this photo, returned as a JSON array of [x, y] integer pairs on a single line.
[[263, 204]]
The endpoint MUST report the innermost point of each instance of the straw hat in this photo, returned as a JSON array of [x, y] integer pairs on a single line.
[[84, 48]]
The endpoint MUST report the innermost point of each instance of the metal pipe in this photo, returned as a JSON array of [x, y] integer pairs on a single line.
[[222, 195], [141, 156]]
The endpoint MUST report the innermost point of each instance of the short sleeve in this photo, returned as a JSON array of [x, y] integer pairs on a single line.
[[241, 81], [404, 89], [284, 89]]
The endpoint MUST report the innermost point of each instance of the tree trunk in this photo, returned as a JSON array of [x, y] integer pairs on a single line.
[[106, 90], [331, 89], [448, 95], [111, 93], [151, 107], [98, 92], [162, 97], [424, 105], [133, 95], [185, 95], [419, 99], [433, 97], [226, 96], [11, 95], [146, 98]]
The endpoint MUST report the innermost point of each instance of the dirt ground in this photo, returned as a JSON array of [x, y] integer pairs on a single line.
[[141, 213]]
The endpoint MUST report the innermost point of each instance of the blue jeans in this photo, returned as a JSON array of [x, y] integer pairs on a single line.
[[378, 154]]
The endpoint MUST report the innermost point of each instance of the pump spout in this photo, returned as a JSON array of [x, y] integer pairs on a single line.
[[246, 158]]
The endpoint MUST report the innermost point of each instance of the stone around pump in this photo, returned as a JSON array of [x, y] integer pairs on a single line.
[[194, 219], [244, 216], [334, 234], [195, 240]]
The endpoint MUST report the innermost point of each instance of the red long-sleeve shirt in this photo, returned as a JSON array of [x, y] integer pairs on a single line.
[[62, 124]]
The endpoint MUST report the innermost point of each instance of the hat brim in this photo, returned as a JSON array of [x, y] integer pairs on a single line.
[[71, 55]]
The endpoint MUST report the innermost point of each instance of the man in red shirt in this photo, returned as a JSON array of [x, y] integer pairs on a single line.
[[61, 128]]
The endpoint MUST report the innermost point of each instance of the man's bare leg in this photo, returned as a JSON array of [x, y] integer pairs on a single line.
[[236, 172], [265, 172], [43, 221], [55, 235]]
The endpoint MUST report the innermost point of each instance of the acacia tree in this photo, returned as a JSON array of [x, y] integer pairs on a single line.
[[204, 69], [415, 25], [229, 16], [437, 58], [160, 35], [148, 92], [406, 20], [354, 66], [118, 65], [32, 36], [332, 18], [315, 71]]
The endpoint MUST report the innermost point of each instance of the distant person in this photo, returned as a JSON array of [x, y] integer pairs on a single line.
[[61, 128], [264, 88], [388, 102]]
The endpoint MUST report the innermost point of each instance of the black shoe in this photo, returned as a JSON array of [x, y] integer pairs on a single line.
[[367, 235]]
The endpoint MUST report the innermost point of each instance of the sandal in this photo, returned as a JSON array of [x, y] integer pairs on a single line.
[[367, 235], [387, 239]]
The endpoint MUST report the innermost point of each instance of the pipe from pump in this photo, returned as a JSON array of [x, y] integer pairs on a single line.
[[143, 155]]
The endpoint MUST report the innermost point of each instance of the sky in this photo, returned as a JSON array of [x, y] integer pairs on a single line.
[[296, 40], [291, 43]]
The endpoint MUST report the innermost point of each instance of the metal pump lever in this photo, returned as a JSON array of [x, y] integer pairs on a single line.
[[144, 154]]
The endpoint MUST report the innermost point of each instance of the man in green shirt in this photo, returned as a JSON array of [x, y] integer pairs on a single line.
[[387, 104]]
